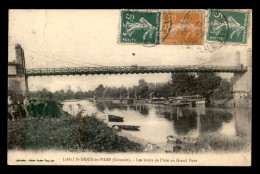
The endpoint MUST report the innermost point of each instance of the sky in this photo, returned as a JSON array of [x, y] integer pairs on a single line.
[[76, 38]]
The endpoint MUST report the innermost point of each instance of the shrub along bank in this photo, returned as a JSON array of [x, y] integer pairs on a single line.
[[67, 133]]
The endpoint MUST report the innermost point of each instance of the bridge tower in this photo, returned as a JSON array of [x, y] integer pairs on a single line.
[[237, 59], [242, 87], [17, 80]]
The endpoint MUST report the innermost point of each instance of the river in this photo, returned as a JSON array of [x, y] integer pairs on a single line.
[[159, 121]]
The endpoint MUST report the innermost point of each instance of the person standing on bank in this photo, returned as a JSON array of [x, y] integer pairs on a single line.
[[26, 104], [19, 110], [11, 109]]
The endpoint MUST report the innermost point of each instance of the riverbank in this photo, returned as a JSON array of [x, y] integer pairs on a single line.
[[206, 143], [238, 103], [67, 133], [90, 134], [148, 146]]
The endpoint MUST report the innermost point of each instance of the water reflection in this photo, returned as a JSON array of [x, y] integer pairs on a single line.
[[183, 120], [142, 109], [159, 121], [213, 120], [243, 125]]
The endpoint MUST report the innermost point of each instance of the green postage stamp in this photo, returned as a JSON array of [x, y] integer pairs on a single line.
[[140, 27], [228, 26]]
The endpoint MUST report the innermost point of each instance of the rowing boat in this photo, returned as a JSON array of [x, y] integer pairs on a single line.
[[114, 118], [126, 127]]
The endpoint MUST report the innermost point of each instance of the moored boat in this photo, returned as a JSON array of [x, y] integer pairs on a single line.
[[200, 102], [195, 100], [177, 101], [157, 100], [126, 127], [114, 118], [116, 101], [178, 104]]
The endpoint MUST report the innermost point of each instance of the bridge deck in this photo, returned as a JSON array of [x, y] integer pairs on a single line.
[[132, 70]]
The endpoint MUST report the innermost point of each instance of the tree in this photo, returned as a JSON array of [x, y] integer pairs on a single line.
[[224, 91], [79, 95], [142, 88], [206, 83], [69, 94], [183, 84], [62, 94], [89, 94], [99, 90], [49, 95], [43, 93]]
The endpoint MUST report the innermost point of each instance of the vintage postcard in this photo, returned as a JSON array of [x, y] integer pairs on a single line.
[[130, 87]]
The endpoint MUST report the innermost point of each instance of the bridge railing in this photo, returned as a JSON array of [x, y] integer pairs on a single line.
[[133, 69]]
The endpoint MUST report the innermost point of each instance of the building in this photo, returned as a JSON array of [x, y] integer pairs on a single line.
[[17, 81]]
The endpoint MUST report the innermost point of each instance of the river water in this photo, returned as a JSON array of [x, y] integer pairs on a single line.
[[159, 121]]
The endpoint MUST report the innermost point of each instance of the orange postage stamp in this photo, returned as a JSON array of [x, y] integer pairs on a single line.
[[182, 27]]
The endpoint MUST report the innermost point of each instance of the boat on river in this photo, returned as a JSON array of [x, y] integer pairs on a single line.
[[200, 102], [127, 101], [116, 101], [194, 100], [176, 101], [155, 100], [114, 118], [126, 127]]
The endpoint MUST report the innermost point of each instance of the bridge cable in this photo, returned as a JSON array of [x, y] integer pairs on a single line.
[[53, 57], [57, 59], [61, 57]]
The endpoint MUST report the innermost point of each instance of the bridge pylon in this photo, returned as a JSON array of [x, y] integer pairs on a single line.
[[17, 81], [242, 87]]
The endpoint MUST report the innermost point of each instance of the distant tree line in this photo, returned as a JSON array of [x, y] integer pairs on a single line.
[[208, 85]]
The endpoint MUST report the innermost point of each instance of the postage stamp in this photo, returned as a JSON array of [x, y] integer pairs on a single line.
[[140, 27], [228, 26], [182, 27]]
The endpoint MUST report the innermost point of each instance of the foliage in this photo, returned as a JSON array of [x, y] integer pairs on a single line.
[[208, 85], [99, 90], [96, 136], [142, 88], [183, 84], [214, 142], [224, 91], [67, 133]]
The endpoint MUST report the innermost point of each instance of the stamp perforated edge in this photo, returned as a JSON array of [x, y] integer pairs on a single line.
[[205, 26], [249, 25], [139, 44], [183, 10]]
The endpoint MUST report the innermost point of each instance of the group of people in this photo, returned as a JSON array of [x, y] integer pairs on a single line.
[[31, 109], [16, 109]]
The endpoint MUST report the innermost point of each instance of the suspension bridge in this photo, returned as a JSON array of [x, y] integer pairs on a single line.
[[18, 72], [132, 70]]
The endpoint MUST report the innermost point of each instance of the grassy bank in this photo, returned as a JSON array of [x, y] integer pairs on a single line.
[[213, 142], [67, 133]]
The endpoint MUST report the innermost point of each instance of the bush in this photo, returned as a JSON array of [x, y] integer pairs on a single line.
[[67, 133], [95, 135]]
